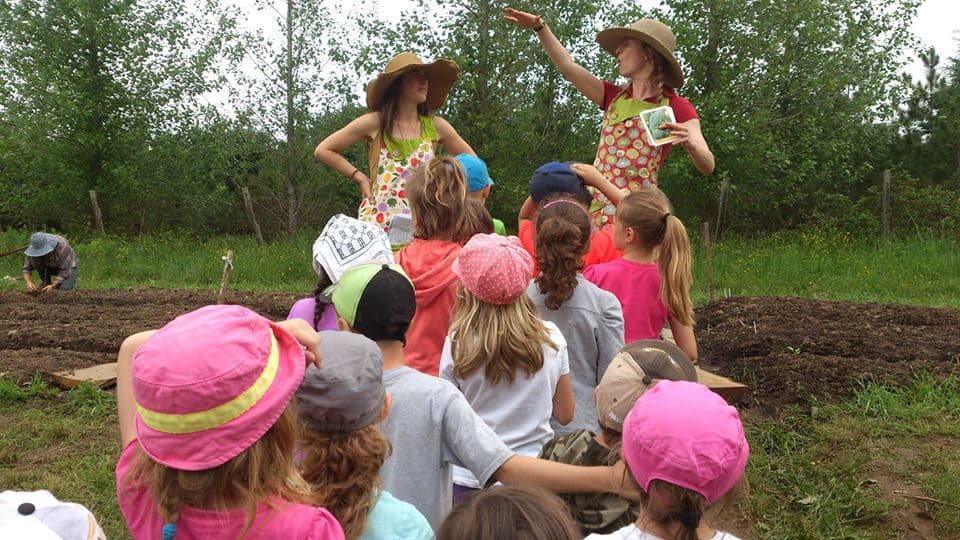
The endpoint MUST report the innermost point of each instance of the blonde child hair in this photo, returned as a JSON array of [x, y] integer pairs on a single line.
[[437, 192], [649, 214], [499, 339]]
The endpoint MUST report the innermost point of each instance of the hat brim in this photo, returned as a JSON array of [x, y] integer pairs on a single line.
[[610, 39], [213, 447], [441, 74]]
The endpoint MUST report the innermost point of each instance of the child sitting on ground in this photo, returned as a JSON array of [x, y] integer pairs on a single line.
[[344, 241], [517, 513], [588, 317], [707, 450], [209, 430], [633, 370], [554, 180], [510, 365], [436, 192], [652, 280], [431, 425], [342, 448], [479, 185]]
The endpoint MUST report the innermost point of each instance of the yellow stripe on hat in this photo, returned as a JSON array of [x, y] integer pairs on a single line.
[[221, 414]]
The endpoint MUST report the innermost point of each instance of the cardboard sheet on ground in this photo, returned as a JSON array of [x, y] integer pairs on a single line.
[[103, 375], [728, 389]]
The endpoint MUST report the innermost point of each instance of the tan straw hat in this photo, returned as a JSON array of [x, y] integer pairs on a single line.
[[441, 74], [655, 34]]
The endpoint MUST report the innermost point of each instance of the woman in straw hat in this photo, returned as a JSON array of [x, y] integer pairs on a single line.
[[644, 53], [400, 132]]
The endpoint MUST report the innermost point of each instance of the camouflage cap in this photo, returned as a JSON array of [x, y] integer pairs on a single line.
[[634, 370]]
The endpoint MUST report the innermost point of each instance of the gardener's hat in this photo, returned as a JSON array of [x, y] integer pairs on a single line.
[[210, 383], [41, 244], [441, 74], [655, 34]]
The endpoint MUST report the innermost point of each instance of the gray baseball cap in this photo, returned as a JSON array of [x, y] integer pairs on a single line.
[[346, 393]]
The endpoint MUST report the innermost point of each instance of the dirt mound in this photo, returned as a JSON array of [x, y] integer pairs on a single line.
[[67, 330], [788, 349]]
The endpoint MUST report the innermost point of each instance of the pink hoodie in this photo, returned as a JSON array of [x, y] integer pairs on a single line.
[[428, 264]]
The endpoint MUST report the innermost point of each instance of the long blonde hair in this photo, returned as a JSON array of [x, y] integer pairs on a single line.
[[260, 473], [497, 338], [343, 469], [649, 214]]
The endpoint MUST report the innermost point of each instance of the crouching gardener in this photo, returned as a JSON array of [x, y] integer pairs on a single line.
[[53, 258]]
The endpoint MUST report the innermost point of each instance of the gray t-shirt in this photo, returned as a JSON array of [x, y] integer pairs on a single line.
[[432, 427], [592, 323]]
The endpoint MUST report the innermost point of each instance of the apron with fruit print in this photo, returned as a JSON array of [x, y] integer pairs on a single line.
[[394, 160], [624, 156]]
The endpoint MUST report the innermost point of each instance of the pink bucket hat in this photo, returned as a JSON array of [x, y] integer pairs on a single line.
[[496, 269], [210, 383], [683, 433]]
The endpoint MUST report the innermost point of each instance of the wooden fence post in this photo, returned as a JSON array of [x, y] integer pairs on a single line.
[[248, 207], [724, 196], [708, 248], [227, 267], [97, 216], [885, 205]]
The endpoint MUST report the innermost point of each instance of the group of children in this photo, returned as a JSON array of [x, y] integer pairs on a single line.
[[390, 402]]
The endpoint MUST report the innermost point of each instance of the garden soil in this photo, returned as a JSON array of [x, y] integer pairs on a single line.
[[787, 350]]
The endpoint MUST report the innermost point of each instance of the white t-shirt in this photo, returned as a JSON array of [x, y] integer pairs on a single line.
[[518, 413], [631, 532]]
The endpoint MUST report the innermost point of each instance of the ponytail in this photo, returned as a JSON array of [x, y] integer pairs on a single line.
[[674, 504], [675, 262], [563, 236], [648, 213], [322, 283]]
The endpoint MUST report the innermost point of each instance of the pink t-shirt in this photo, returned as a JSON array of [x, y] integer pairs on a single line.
[[637, 286], [284, 520]]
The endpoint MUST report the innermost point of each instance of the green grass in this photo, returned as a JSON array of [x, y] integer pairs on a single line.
[[64, 442], [821, 265], [816, 475]]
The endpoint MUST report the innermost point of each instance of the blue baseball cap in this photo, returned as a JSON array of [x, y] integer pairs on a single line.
[[556, 177], [477, 175]]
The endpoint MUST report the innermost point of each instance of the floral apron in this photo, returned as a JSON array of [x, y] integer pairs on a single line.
[[394, 161], [624, 156]]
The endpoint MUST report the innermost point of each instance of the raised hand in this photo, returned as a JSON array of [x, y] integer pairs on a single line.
[[522, 18]]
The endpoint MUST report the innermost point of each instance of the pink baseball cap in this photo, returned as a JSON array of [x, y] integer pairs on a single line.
[[496, 269], [210, 383], [682, 433]]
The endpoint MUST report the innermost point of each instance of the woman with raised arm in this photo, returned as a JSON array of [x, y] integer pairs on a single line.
[[644, 53], [400, 132]]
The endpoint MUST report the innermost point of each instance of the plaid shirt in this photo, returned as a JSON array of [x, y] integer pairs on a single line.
[[63, 257]]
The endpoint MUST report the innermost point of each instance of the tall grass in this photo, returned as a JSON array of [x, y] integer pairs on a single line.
[[815, 264]]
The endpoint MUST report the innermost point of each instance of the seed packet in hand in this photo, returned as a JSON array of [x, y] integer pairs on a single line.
[[652, 119]]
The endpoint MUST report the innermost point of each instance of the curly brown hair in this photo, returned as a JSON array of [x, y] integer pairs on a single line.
[[343, 470], [563, 236]]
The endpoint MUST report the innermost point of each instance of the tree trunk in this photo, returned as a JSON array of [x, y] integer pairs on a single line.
[[291, 134]]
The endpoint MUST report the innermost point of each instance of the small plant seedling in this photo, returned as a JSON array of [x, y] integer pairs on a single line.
[[795, 350]]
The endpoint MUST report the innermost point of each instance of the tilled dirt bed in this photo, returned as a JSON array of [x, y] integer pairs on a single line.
[[785, 349]]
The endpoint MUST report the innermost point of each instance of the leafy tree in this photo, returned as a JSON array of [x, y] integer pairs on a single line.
[[90, 84]]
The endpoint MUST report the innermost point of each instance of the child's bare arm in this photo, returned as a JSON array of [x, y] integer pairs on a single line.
[[595, 179], [563, 402], [563, 478], [684, 337], [527, 210], [126, 405]]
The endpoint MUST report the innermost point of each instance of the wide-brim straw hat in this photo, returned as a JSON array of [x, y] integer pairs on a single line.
[[441, 74], [655, 34]]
